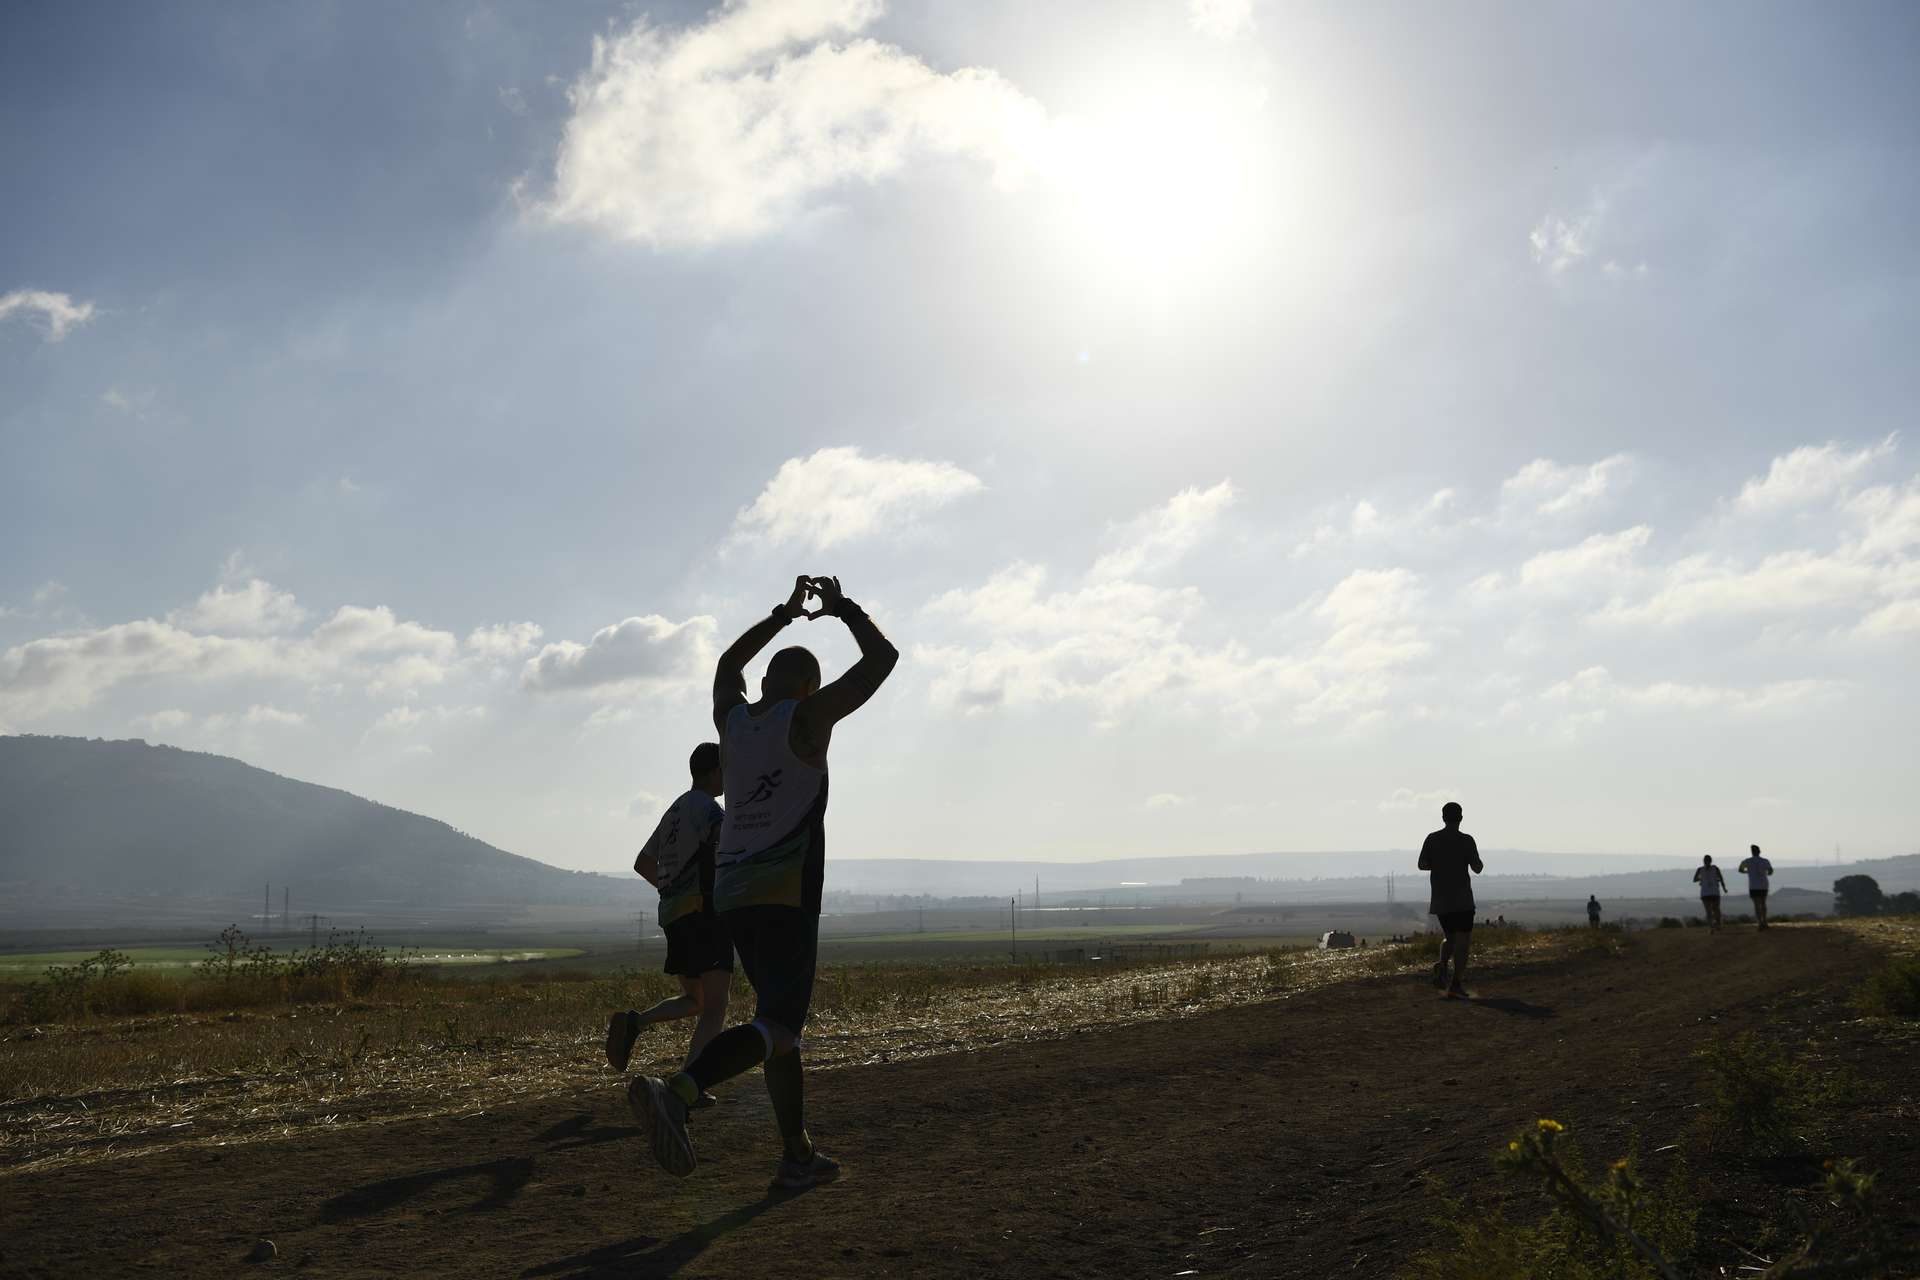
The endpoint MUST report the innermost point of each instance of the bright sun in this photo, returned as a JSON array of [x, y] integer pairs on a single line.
[[1164, 188]]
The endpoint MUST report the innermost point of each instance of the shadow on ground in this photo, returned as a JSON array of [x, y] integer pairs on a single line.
[[506, 1176], [643, 1256]]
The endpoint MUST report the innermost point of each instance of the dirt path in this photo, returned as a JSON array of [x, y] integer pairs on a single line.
[[1268, 1140]]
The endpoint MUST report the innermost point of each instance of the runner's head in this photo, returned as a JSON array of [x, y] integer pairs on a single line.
[[1450, 813], [704, 765], [1754, 849], [793, 673], [1706, 859]]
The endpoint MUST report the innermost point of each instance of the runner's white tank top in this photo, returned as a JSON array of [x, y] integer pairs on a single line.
[[773, 809]]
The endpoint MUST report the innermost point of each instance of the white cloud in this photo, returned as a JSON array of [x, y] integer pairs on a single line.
[[1407, 798], [368, 646], [1891, 517], [253, 608], [836, 496], [646, 805], [1167, 800], [1810, 474], [1551, 489], [1162, 536], [1559, 243], [1595, 686], [1597, 561], [1367, 524], [727, 129], [1706, 588], [165, 721], [504, 641], [58, 312], [260, 714], [1221, 19], [642, 654]]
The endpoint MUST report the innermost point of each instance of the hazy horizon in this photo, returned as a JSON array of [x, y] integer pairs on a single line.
[[1255, 424]]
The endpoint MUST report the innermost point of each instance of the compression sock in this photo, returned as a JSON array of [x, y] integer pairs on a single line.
[[732, 1052], [786, 1086]]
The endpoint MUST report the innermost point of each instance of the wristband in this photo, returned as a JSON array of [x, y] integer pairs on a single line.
[[780, 611], [847, 606]]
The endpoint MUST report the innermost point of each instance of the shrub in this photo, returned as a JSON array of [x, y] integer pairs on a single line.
[[1612, 1229], [1757, 1091], [1893, 992], [1668, 922]]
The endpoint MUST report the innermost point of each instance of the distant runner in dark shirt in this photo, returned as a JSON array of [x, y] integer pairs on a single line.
[[1593, 911], [1447, 856]]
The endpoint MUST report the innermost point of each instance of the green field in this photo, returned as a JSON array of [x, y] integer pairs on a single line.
[[33, 963]]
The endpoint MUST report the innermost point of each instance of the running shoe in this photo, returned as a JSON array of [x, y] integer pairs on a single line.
[[1440, 974], [663, 1117], [704, 1101], [1458, 992], [622, 1030], [798, 1175]]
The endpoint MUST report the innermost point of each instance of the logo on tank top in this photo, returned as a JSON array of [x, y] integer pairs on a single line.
[[763, 788]]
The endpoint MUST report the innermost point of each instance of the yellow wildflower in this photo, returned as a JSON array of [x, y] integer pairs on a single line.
[[1551, 1126]]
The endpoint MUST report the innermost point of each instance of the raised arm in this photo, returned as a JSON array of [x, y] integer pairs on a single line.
[[730, 676], [836, 701]]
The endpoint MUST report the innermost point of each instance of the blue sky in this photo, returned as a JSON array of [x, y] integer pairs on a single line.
[[1255, 423]]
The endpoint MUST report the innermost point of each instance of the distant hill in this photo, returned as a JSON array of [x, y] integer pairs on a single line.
[[1333, 877], [92, 818]]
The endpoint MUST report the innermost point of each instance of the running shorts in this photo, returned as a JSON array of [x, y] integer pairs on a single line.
[[1457, 921], [698, 944], [779, 948]]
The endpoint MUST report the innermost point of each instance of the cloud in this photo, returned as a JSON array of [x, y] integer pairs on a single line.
[[254, 717], [1551, 489], [1559, 243], [641, 654], [368, 646], [1704, 587], [1366, 524], [1407, 798], [727, 129], [1810, 474], [58, 312], [1118, 643], [1597, 561], [503, 641], [253, 608], [840, 495], [1595, 686], [1220, 19], [1162, 536], [166, 721], [1167, 800], [646, 805]]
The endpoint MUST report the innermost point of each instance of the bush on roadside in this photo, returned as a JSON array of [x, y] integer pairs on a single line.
[[1595, 1229], [1892, 992]]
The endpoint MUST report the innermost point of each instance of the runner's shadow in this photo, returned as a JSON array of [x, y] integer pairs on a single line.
[[1507, 1004], [582, 1132], [507, 1176], [625, 1261]]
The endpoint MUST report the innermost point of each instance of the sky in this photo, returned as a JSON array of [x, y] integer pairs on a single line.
[[1255, 424]]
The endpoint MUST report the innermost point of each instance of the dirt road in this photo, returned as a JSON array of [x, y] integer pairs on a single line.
[[1284, 1139]]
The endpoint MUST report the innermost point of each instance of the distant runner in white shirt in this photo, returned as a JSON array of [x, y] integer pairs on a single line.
[[1757, 869], [1711, 882]]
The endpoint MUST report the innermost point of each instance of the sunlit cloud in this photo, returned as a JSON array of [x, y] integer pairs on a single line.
[[730, 128], [58, 313], [837, 496]]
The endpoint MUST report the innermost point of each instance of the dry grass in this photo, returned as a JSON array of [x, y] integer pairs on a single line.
[[106, 1088]]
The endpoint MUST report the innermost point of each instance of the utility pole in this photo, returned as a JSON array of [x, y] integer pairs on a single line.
[[1013, 923], [640, 930], [285, 919]]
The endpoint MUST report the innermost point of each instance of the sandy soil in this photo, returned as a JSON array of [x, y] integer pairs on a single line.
[[1281, 1139]]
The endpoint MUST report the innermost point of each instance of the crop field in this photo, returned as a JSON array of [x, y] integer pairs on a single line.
[[29, 964]]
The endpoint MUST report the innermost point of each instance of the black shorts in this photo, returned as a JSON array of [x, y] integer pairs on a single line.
[[1457, 921], [1758, 895], [779, 948], [698, 944]]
